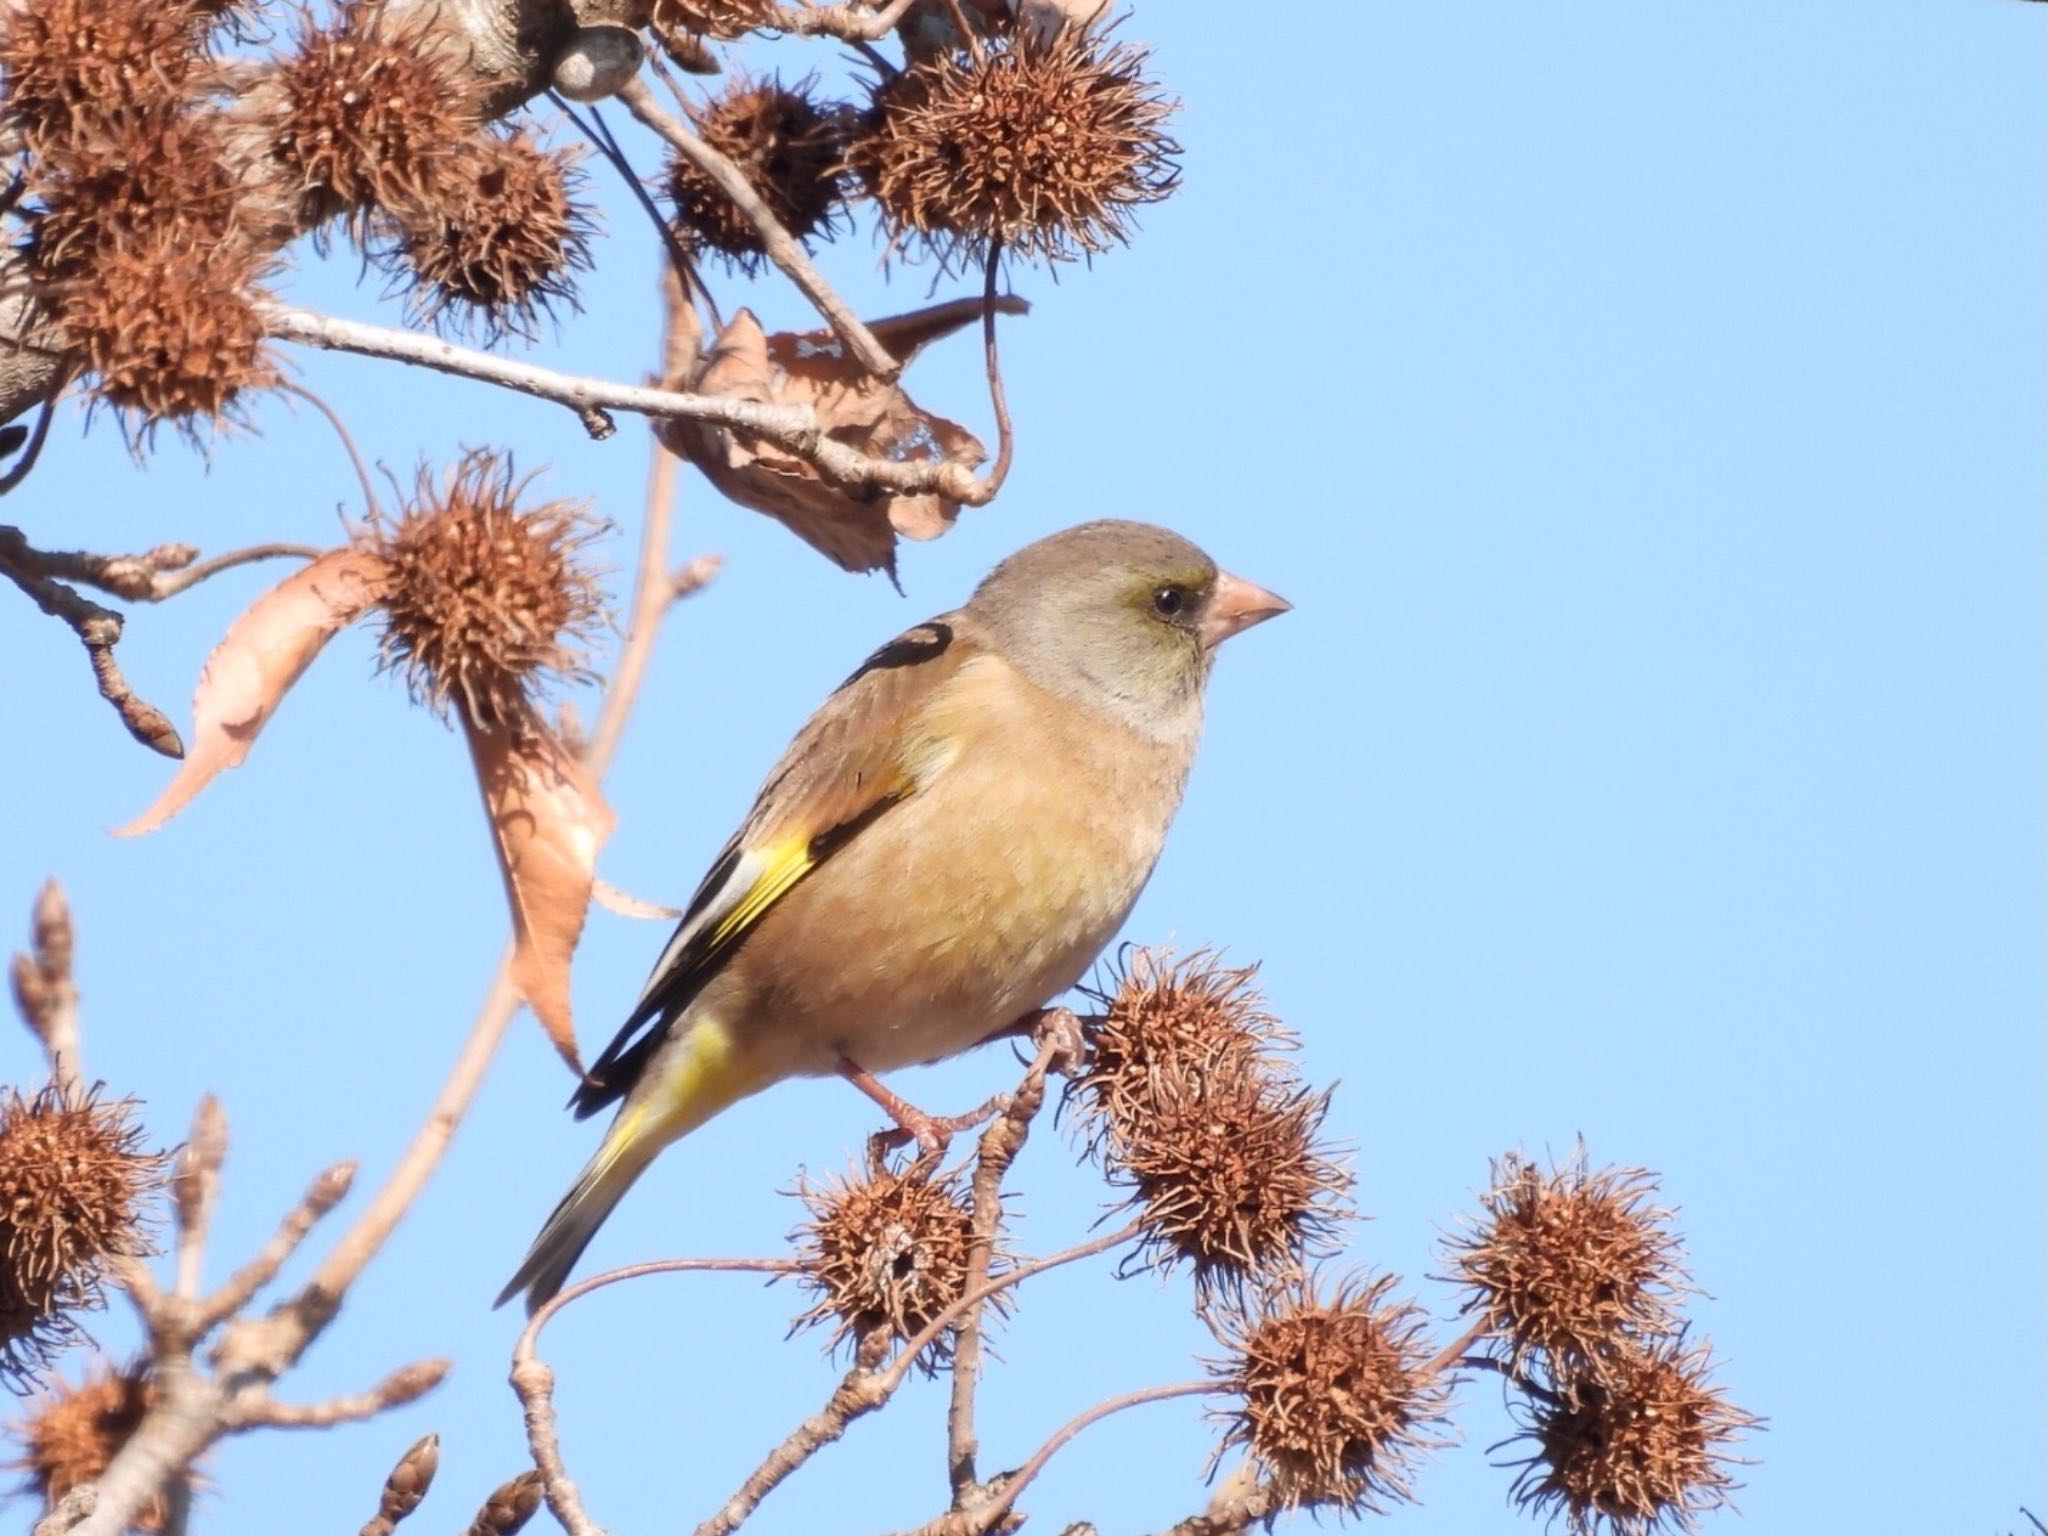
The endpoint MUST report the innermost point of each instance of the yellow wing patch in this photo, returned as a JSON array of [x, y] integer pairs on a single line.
[[783, 865]]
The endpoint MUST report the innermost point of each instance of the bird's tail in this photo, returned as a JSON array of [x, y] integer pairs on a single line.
[[697, 1080]]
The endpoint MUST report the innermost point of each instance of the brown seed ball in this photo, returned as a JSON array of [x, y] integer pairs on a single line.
[[368, 113], [498, 239], [1228, 1175], [488, 601], [169, 330], [1047, 147], [68, 68], [883, 1254], [75, 1192], [1569, 1264], [1334, 1400], [1644, 1447], [789, 147], [71, 1434], [1164, 1019]]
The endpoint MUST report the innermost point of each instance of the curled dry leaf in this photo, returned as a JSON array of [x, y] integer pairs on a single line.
[[548, 821], [856, 529], [265, 650]]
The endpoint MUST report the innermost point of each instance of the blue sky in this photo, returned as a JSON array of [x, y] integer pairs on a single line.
[[1642, 406]]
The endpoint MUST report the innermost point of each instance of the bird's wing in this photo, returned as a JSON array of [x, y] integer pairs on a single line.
[[850, 763]]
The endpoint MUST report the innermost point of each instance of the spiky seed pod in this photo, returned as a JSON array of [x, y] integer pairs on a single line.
[[721, 19], [75, 1190], [1228, 1175], [1569, 1264], [70, 67], [1334, 1398], [509, 1507], [1045, 146], [489, 602], [170, 330], [150, 172], [369, 113], [496, 244], [1165, 1019], [884, 1252], [789, 147], [71, 1434], [1644, 1447]]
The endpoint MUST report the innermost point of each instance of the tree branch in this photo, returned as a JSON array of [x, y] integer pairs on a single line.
[[781, 246], [794, 427], [987, 1515], [98, 629], [1058, 1036]]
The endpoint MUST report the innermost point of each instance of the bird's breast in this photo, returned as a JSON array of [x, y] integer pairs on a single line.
[[979, 898]]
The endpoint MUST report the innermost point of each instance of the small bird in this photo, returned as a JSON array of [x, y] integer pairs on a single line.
[[948, 844]]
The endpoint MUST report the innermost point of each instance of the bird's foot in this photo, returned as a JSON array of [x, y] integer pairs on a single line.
[[931, 1133], [1054, 1032]]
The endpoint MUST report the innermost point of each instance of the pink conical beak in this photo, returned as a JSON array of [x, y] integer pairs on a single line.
[[1235, 604]]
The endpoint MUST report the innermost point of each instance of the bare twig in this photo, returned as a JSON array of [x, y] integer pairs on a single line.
[[1003, 1492], [348, 442], [194, 1188], [321, 1196], [402, 1386], [794, 427], [38, 435], [45, 994], [1005, 440], [98, 629], [849, 22], [998, 1148], [534, 1380], [1237, 1503], [155, 574], [781, 247]]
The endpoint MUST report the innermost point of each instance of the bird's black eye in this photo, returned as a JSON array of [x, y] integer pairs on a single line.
[[1168, 602]]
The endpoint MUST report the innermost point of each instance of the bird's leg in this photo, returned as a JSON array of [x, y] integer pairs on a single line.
[[932, 1133]]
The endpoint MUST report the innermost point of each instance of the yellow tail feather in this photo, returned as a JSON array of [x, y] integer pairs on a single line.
[[691, 1079]]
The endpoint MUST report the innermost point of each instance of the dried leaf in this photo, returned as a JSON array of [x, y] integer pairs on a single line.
[[858, 530], [549, 821], [264, 652]]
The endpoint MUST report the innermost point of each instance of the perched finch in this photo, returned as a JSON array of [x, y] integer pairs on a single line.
[[946, 846]]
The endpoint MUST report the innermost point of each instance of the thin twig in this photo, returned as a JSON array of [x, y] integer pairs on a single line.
[[348, 443], [98, 630], [1006, 1488], [407, 1384], [45, 993], [781, 247], [794, 427], [599, 132], [155, 574], [321, 1196], [998, 1148], [38, 435], [194, 1189], [534, 1380], [851, 22], [1005, 442]]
